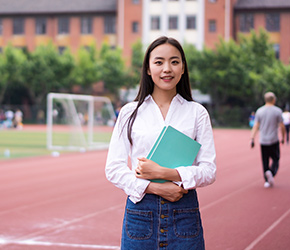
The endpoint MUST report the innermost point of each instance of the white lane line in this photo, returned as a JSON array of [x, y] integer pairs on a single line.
[[49, 229], [225, 197], [269, 229], [43, 243]]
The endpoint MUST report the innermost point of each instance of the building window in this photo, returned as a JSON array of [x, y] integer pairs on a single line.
[[155, 0], [273, 22], [212, 25], [246, 22], [212, 1], [18, 25], [135, 27], [86, 25], [135, 1], [173, 22], [277, 50], [1, 27], [63, 25], [191, 22], [155, 23], [40, 25], [110, 24]]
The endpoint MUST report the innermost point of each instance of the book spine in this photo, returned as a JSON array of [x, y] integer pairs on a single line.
[[156, 143]]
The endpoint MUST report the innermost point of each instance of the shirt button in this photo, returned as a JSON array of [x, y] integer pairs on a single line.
[[161, 245], [162, 216], [162, 202], [162, 230]]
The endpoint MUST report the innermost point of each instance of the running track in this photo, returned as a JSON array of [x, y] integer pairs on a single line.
[[66, 203]]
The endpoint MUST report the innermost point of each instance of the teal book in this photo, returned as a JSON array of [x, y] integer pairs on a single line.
[[173, 149]]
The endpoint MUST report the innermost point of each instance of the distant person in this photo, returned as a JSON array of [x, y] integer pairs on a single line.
[[9, 114], [286, 121], [161, 215], [18, 117], [269, 120], [252, 119]]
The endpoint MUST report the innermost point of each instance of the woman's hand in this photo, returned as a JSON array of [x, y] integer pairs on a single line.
[[147, 169], [167, 190]]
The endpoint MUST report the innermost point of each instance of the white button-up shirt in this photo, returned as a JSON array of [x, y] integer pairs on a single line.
[[188, 117]]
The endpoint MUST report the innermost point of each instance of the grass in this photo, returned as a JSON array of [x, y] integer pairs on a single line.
[[21, 143]]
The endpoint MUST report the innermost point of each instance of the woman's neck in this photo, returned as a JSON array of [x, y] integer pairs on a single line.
[[163, 98]]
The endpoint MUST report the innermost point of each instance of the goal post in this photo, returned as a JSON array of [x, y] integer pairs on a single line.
[[78, 122]]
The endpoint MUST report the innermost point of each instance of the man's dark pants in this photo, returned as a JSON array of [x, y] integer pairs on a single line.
[[270, 152]]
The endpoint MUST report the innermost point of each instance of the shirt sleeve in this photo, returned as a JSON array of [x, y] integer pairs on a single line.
[[203, 172], [117, 170]]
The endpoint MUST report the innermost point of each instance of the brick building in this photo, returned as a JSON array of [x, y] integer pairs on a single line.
[[227, 18], [129, 20], [219, 16], [67, 23], [273, 16]]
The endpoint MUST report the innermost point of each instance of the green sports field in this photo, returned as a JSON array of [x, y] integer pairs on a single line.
[[27, 143]]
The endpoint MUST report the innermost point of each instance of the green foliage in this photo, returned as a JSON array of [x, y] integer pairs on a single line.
[[11, 69], [237, 74], [193, 58], [112, 68], [47, 71], [133, 73], [3, 74], [87, 69]]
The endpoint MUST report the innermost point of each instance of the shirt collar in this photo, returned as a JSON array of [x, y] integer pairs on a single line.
[[178, 97]]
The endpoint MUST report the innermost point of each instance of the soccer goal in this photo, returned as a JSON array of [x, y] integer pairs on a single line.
[[78, 122]]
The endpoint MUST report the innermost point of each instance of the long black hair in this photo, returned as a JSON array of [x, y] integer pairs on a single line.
[[147, 84]]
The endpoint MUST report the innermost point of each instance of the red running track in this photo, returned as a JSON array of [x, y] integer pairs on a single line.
[[66, 203]]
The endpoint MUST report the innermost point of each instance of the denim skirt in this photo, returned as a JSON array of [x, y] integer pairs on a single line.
[[155, 223]]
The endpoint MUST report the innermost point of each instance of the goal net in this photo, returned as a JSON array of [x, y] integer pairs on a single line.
[[78, 122]]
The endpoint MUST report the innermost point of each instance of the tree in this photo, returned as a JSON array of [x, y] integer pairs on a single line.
[[11, 70], [86, 70], [236, 75], [222, 75], [47, 71], [133, 74], [276, 79], [3, 76], [112, 68], [193, 58]]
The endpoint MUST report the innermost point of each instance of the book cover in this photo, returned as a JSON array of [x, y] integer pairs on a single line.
[[173, 149]]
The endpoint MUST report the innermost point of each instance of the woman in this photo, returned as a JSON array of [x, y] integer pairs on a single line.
[[161, 215]]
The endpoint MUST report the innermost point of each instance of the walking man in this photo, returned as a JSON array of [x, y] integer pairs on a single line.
[[268, 120]]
